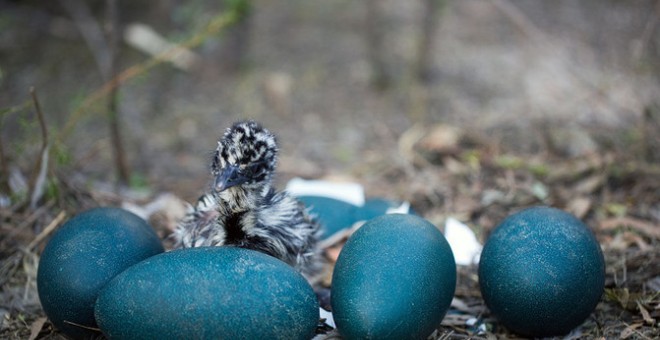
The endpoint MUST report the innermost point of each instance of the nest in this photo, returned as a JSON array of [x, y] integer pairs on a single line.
[[442, 174]]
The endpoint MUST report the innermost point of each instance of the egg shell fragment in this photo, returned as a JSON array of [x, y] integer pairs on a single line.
[[394, 279], [82, 256], [208, 293]]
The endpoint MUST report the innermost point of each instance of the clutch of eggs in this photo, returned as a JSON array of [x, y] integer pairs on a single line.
[[105, 269]]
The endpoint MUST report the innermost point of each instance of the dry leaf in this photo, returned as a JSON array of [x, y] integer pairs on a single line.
[[590, 184], [144, 38], [579, 206], [441, 139], [407, 143], [36, 327], [454, 166], [630, 330], [645, 314]]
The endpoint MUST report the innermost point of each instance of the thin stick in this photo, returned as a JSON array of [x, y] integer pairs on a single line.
[[40, 116], [375, 36], [82, 326], [216, 25], [4, 168], [429, 24], [91, 32], [649, 229], [519, 19], [647, 35], [49, 229], [33, 217], [121, 164], [38, 180]]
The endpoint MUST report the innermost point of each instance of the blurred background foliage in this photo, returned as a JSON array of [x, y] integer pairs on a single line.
[[336, 80]]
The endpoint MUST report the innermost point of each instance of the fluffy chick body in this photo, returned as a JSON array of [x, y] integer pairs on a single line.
[[244, 210]]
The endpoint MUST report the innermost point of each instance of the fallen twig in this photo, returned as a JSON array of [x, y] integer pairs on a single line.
[[34, 215], [49, 228], [647, 228], [217, 24], [38, 180], [114, 121]]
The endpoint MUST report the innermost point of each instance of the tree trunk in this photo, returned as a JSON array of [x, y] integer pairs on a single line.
[[423, 67]]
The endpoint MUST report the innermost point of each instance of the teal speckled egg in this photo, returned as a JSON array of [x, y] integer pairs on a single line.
[[542, 272], [82, 256], [394, 279], [375, 207], [208, 293], [333, 214]]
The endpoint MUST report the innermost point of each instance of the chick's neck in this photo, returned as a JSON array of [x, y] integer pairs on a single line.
[[240, 199]]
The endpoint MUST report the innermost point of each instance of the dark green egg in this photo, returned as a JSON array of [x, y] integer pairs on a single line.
[[542, 272], [82, 256], [208, 293], [375, 207], [333, 214], [394, 279], [336, 215]]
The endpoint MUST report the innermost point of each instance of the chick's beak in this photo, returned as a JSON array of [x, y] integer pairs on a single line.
[[229, 177]]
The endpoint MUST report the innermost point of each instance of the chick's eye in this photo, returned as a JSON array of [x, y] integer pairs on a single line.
[[254, 168], [245, 170]]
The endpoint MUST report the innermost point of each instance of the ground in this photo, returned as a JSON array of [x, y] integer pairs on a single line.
[[524, 104]]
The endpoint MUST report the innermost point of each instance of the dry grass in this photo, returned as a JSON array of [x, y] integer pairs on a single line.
[[617, 197]]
